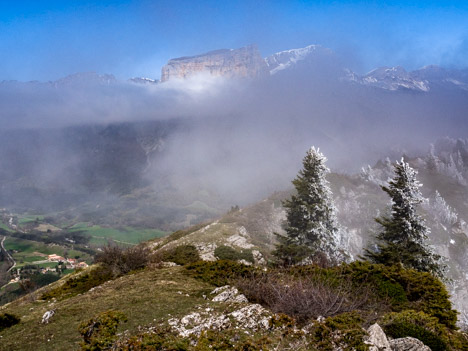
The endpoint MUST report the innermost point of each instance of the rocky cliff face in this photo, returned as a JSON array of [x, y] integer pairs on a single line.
[[243, 62]]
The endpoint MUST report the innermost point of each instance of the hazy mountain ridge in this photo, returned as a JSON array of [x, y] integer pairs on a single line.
[[246, 62], [220, 63]]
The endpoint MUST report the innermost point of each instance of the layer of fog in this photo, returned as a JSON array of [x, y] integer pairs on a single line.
[[239, 139]]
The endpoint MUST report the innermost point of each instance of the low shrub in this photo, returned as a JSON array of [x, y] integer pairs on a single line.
[[79, 284], [418, 325], [220, 272], [120, 261], [343, 332], [231, 340], [406, 289], [160, 338], [224, 252], [99, 332], [8, 320], [182, 255], [165, 339], [304, 297]]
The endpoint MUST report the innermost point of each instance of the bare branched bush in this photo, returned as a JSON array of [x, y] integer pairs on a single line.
[[121, 260], [305, 297]]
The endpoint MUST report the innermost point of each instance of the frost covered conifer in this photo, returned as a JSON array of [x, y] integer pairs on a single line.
[[432, 162], [311, 228], [404, 235], [442, 211]]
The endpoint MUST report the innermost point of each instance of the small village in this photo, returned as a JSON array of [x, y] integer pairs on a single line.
[[62, 265], [71, 263]]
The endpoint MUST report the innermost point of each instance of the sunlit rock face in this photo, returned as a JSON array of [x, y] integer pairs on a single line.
[[243, 62]]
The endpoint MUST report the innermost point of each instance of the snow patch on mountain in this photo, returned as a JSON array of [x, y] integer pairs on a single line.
[[391, 78], [423, 80], [288, 58]]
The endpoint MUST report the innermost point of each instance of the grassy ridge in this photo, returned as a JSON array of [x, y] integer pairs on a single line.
[[149, 297], [145, 296]]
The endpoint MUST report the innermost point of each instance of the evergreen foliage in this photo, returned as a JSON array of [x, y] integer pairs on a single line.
[[78, 284], [224, 252], [311, 227], [183, 254], [404, 235], [405, 288], [424, 327], [219, 273], [99, 332], [7, 320]]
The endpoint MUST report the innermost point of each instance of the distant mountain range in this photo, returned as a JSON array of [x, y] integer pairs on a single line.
[[247, 62]]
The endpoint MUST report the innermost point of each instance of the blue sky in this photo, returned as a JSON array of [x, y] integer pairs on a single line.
[[46, 40]]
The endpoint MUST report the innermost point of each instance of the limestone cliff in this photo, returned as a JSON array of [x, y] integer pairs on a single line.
[[243, 62]]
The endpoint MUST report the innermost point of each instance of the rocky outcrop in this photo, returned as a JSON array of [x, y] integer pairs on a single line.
[[408, 344], [248, 317], [228, 294], [47, 316], [243, 62], [377, 340]]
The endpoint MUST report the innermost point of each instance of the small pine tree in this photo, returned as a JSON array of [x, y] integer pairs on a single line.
[[311, 229], [404, 235]]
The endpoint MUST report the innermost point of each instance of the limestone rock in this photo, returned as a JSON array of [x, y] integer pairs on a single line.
[[252, 317], [377, 340], [408, 344], [47, 316], [206, 251], [243, 62], [228, 294], [247, 319], [195, 323]]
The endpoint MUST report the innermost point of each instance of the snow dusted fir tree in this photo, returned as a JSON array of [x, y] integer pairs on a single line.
[[404, 235], [311, 228]]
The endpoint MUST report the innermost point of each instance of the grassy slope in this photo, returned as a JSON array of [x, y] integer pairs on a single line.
[[144, 297]]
